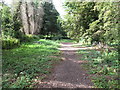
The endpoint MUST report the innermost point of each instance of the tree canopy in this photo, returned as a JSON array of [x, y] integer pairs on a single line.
[[50, 24], [92, 21]]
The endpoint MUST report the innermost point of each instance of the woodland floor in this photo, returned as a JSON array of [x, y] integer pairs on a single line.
[[69, 73]]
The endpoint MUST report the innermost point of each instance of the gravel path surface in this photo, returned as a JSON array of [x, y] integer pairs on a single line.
[[69, 73]]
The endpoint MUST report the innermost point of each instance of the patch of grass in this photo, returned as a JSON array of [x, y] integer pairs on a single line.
[[22, 65], [66, 41], [81, 45], [104, 65]]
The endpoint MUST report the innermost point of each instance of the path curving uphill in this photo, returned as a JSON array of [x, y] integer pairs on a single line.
[[69, 73]]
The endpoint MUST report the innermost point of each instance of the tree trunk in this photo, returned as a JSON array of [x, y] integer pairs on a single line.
[[31, 16], [24, 17]]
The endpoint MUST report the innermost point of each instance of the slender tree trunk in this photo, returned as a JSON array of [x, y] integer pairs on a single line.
[[24, 17]]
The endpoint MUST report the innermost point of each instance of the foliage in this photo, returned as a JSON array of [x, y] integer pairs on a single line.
[[105, 29], [10, 43], [85, 22], [29, 38], [80, 15], [104, 66], [92, 21], [66, 41], [11, 34], [50, 24], [31, 61], [17, 24], [7, 26], [10, 22]]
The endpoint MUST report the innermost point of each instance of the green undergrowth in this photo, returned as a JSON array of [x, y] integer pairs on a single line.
[[104, 66], [66, 41], [30, 62]]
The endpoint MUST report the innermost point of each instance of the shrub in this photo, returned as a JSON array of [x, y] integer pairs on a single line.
[[28, 38], [41, 36], [9, 43]]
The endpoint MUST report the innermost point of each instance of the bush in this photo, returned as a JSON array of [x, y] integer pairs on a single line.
[[41, 36], [9, 43], [28, 38]]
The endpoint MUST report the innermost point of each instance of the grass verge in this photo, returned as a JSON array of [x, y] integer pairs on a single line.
[[66, 41], [30, 62], [104, 67]]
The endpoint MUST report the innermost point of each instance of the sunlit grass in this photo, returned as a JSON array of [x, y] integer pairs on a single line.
[[66, 41], [22, 65], [104, 65]]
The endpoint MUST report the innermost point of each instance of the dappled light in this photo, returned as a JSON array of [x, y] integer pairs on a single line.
[[67, 46], [69, 73], [59, 44], [62, 85]]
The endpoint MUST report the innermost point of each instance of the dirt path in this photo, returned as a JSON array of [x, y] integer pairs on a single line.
[[69, 73]]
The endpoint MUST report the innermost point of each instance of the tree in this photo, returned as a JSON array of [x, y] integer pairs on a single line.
[[7, 19], [80, 15], [105, 29], [50, 24], [92, 21]]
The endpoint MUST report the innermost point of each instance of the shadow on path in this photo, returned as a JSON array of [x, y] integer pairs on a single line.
[[69, 73]]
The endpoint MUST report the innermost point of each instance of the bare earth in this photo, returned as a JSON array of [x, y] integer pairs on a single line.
[[69, 73]]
